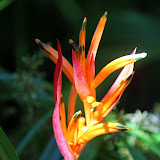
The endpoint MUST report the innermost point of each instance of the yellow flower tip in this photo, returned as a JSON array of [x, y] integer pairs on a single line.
[[37, 41], [118, 126], [90, 99], [143, 55], [74, 45], [122, 127], [94, 106], [70, 41], [128, 128], [105, 14], [84, 20], [77, 114], [139, 56]]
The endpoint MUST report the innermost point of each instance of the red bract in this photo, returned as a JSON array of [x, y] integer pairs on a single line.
[[59, 135]]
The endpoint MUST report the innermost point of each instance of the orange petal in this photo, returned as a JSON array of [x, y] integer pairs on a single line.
[[87, 109], [125, 73], [115, 65], [91, 71], [75, 47], [93, 48], [90, 76], [97, 37], [114, 97], [72, 131], [82, 34], [53, 55], [96, 112], [81, 57], [78, 149], [62, 115], [81, 124], [71, 103], [82, 39], [102, 128]]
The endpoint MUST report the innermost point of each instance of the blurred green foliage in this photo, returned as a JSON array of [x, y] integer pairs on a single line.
[[5, 3], [6, 149], [26, 96]]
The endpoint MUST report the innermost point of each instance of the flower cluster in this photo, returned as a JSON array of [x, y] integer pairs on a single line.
[[73, 135]]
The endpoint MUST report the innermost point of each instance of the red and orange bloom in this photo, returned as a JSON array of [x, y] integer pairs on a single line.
[[73, 135]]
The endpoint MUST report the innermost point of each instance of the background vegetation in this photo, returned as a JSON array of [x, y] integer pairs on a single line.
[[26, 96]]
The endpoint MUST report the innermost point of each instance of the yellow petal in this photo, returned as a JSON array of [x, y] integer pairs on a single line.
[[82, 34], [102, 128], [97, 37], [82, 41], [114, 97], [96, 112], [115, 65], [90, 69], [90, 99], [87, 109], [62, 115], [81, 126], [72, 131], [71, 103]]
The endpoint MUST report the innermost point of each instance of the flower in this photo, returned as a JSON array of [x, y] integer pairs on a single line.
[[72, 136]]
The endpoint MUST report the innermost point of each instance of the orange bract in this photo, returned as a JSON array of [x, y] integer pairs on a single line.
[[73, 136]]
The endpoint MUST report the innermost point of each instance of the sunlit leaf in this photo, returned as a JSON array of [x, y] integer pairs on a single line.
[[156, 136], [143, 136], [7, 151]]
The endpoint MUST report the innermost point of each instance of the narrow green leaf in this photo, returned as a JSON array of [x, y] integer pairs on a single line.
[[51, 151], [4, 76], [156, 136], [7, 151], [32, 132], [136, 154]]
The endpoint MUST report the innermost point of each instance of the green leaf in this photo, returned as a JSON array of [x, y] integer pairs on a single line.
[[5, 3], [143, 136], [32, 132], [7, 151], [136, 154]]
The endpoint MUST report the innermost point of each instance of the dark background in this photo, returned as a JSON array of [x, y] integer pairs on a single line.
[[130, 24]]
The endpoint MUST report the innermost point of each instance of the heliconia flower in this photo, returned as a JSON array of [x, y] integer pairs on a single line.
[[73, 133]]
